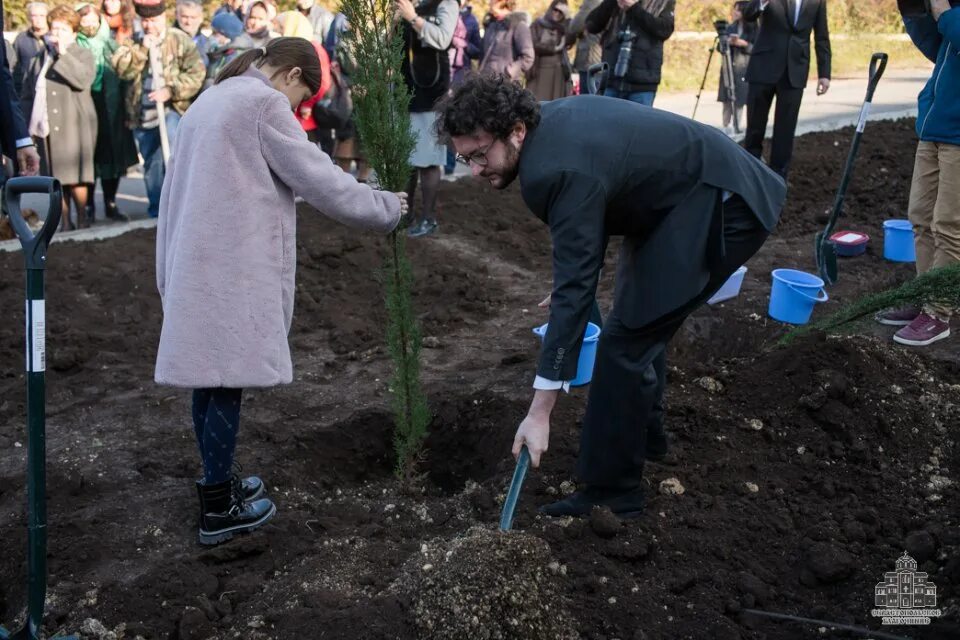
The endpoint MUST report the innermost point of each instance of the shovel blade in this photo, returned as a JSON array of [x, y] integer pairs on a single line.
[[826, 259]]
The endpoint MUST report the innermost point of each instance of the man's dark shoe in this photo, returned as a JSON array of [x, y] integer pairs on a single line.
[[657, 445], [627, 503], [113, 212], [224, 513]]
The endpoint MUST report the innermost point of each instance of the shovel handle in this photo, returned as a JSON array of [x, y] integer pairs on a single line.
[[878, 63], [34, 245]]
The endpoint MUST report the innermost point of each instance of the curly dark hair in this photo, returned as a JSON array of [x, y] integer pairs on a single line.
[[486, 102]]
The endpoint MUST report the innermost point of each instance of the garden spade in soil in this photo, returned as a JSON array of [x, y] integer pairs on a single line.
[[35, 257], [513, 493], [826, 252]]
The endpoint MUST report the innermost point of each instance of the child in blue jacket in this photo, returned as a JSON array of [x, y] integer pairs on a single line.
[[934, 207]]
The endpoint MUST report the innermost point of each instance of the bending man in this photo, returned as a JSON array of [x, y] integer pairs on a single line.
[[691, 205]]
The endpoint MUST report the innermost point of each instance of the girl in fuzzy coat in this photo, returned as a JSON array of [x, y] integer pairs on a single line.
[[226, 254]]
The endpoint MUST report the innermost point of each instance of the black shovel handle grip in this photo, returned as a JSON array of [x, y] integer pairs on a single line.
[[34, 245], [878, 63]]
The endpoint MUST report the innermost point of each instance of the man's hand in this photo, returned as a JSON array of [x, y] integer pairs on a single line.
[[29, 161], [823, 84], [406, 9], [626, 4], [938, 7], [163, 95], [534, 432]]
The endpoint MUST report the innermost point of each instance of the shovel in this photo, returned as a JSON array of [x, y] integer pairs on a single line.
[[826, 251], [513, 494], [35, 257]]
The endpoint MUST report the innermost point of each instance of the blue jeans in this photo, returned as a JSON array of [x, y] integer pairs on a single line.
[[148, 141], [640, 97]]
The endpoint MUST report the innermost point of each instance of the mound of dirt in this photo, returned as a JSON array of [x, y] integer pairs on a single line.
[[488, 585]]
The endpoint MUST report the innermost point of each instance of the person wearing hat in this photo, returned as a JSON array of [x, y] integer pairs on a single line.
[[227, 42], [320, 19], [183, 73], [550, 77]]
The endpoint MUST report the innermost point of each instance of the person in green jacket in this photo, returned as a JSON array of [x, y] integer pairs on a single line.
[[115, 150]]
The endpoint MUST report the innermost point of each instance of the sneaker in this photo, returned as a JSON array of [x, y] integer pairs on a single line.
[[425, 228], [924, 330], [898, 317], [413, 231]]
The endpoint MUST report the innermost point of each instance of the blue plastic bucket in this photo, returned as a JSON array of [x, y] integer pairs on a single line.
[[898, 241], [793, 295], [588, 353]]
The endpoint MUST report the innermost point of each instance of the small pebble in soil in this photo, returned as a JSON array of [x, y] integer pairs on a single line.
[[751, 487], [604, 523], [710, 384], [567, 487], [753, 424], [671, 487]]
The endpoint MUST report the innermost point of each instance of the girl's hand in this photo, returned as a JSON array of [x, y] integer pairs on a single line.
[[404, 207], [406, 10]]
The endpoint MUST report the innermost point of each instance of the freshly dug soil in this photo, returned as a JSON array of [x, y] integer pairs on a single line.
[[806, 471]]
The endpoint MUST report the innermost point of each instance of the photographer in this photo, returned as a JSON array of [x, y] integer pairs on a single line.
[[633, 35], [934, 207], [779, 66], [740, 36]]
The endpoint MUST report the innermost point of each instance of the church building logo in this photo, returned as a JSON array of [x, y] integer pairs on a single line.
[[905, 596]]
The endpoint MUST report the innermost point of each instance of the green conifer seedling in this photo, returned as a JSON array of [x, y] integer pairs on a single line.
[[375, 50]]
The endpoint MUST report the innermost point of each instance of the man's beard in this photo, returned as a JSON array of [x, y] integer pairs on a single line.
[[90, 32], [511, 166]]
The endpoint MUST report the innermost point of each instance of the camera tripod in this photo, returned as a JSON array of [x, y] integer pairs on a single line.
[[721, 44]]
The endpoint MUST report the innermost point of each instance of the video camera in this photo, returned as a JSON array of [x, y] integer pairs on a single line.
[[721, 26], [918, 8]]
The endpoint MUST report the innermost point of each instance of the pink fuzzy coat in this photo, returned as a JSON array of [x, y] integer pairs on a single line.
[[226, 238]]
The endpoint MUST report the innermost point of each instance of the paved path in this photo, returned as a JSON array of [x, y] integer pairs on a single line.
[[895, 98]]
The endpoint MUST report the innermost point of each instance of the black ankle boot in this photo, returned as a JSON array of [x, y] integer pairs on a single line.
[[223, 512], [626, 503], [250, 487]]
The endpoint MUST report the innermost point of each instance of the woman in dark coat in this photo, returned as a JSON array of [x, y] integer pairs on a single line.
[[63, 113], [550, 76], [115, 150], [741, 35]]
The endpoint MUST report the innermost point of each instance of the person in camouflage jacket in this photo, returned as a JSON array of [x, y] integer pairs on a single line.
[[183, 74]]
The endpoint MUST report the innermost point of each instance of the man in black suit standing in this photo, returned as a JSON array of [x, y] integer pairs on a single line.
[[779, 66], [15, 142], [691, 205]]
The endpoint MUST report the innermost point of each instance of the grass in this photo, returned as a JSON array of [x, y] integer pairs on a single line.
[[685, 60]]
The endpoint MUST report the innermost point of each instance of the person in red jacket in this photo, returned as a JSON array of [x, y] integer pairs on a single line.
[[322, 137]]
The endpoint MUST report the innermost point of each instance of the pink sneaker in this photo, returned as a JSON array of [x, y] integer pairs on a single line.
[[923, 331], [898, 317]]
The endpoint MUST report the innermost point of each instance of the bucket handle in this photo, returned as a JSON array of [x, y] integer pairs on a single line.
[[808, 296]]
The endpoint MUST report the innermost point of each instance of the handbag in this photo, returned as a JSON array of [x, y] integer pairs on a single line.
[[334, 109]]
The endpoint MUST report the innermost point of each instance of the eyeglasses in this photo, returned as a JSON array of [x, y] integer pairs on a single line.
[[478, 157]]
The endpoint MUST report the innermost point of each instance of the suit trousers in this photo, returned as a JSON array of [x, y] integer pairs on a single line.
[[759, 99], [629, 377]]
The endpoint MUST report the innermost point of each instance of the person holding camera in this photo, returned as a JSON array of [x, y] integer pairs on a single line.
[[934, 206], [740, 35], [779, 66], [633, 35]]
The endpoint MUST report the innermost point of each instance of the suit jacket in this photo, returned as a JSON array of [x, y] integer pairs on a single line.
[[782, 45], [640, 173], [12, 125]]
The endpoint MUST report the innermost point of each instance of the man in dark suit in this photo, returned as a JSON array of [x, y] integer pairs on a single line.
[[779, 66], [691, 205], [15, 142]]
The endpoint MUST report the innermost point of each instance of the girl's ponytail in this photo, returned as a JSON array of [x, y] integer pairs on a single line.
[[282, 54]]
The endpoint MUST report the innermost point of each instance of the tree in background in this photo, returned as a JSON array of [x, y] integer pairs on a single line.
[[380, 110]]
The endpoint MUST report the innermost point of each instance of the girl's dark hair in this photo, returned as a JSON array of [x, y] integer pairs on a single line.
[[282, 54], [486, 102]]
